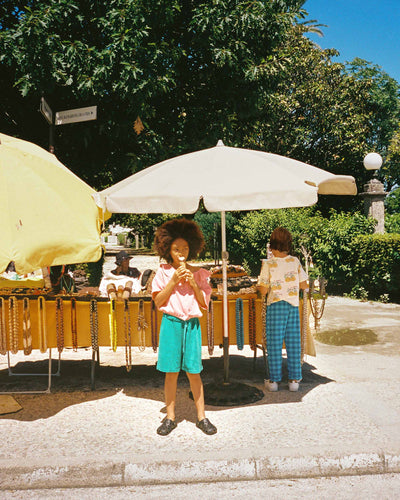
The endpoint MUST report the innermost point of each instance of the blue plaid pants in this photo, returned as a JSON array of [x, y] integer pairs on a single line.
[[283, 324]]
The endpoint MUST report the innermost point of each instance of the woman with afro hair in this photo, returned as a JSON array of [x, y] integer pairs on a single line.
[[181, 291]]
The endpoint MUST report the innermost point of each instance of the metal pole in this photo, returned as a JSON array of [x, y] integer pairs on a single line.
[[225, 256]]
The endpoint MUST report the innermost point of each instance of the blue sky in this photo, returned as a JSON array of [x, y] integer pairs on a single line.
[[369, 29]]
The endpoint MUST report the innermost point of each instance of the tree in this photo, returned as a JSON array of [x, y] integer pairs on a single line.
[[383, 100], [186, 68]]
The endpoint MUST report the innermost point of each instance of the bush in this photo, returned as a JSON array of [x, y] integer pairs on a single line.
[[392, 223], [376, 265]]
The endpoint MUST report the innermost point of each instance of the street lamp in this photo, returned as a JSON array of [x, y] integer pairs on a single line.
[[373, 161], [374, 192]]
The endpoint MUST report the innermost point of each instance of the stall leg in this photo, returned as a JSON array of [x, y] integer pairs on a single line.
[[48, 374]]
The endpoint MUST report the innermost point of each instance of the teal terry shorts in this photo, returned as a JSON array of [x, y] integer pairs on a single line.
[[179, 345]]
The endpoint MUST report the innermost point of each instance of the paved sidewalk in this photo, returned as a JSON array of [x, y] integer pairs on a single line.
[[344, 420]]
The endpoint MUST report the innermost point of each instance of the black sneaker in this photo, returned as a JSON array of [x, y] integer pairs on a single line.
[[206, 426], [166, 427]]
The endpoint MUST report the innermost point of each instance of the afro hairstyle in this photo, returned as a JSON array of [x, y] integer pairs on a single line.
[[173, 229]]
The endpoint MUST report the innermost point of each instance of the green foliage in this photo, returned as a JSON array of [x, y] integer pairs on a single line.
[[194, 72], [94, 271], [376, 264], [210, 224], [392, 223], [328, 240], [392, 201]]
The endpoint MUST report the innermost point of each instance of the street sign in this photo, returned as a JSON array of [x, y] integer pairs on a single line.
[[46, 110], [76, 115]]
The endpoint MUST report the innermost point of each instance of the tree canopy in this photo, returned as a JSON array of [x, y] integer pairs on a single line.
[[193, 72]]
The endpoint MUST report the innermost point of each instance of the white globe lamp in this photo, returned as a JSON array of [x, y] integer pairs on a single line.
[[373, 161]]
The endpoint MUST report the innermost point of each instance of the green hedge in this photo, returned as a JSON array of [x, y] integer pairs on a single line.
[[376, 266]]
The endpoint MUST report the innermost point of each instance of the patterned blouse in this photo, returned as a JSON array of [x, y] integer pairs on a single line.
[[282, 275]]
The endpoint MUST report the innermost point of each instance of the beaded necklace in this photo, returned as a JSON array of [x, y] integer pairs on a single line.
[[60, 323], [42, 324], [113, 325], [210, 327], [239, 324], [264, 320], [13, 324], [128, 338], [154, 326], [94, 325], [252, 324], [74, 325], [26, 322], [304, 325], [3, 331], [141, 325]]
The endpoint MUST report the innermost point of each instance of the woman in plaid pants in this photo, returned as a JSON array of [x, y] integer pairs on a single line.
[[282, 277]]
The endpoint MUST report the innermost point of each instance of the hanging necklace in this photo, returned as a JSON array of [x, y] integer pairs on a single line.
[[42, 324], [60, 323], [252, 324], [239, 324], [3, 331], [304, 325], [128, 339], [13, 324], [264, 320], [141, 325], [94, 325], [154, 326], [210, 327], [74, 325], [113, 325], [26, 323]]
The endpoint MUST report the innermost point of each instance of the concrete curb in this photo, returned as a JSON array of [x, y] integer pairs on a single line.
[[195, 471]]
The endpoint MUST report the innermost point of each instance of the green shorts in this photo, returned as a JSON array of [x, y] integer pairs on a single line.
[[179, 345]]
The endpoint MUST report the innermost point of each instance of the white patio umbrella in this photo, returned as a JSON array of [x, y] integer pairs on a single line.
[[226, 179]]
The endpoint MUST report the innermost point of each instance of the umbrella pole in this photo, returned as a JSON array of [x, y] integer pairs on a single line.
[[225, 297], [228, 393]]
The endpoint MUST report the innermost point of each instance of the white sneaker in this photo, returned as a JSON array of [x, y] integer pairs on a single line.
[[271, 386], [293, 385]]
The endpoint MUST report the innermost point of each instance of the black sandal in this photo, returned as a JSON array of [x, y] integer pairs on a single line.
[[166, 427], [206, 426]]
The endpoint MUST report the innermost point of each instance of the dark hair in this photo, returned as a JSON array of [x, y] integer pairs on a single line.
[[281, 240], [171, 230]]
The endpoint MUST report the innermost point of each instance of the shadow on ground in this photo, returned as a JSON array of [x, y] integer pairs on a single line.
[[73, 386]]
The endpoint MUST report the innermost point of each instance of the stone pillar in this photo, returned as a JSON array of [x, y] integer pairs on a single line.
[[374, 195]]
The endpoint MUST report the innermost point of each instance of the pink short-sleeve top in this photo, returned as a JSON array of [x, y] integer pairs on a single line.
[[182, 302]]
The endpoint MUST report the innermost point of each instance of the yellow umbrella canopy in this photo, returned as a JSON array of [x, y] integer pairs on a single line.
[[47, 214]]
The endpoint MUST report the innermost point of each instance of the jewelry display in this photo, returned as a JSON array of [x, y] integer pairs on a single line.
[[210, 327], [252, 324], [317, 299], [141, 325], [154, 326], [94, 325], [239, 324], [13, 323], [42, 324], [3, 330], [74, 325], [60, 323], [264, 320], [113, 325], [26, 324], [128, 337]]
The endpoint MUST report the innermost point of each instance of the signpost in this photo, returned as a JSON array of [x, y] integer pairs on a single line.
[[64, 117], [76, 115]]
